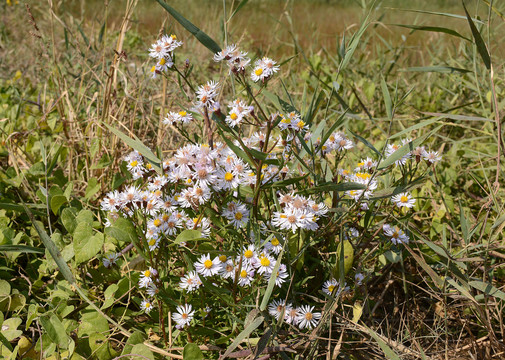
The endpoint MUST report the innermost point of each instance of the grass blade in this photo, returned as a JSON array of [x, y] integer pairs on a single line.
[[241, 337], [136, 144], [433, 29], [21, 248], [439, 69], [205, 39], [479, 42]]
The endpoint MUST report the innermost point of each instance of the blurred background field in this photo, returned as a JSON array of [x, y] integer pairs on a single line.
[[68, 66]]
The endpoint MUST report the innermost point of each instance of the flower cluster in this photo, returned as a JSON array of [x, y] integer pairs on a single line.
[[162, 51], [251, 204]]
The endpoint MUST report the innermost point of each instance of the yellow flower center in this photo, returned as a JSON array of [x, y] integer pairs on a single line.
[[308, 316], [148, 166], [157, 222], [184, 316], [152, 242], [222, 258], [233, 116], [162, 62], [275, 241], [147, 305], [258, 71], [153, 69], [330, 288], [404, 199], [134, 163], [147, 273], [238, 216], [207, 264], [165, 217], [248, 254], [243, 274], [300, 124], [265, 261], [228, 176], [182, 113], [395, 235], [173, 37]]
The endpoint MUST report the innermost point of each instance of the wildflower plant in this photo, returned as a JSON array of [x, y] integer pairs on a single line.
[[239, 216]]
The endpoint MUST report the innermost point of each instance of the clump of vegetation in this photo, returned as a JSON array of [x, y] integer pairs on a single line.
[[175, 202]]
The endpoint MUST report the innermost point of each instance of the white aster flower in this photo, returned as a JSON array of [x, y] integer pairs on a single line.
[[307, 318], [396, 234], [110, 259], [190, 282], [183, 316], [146, 305], [404, 200], [277, 308], [207, 267]]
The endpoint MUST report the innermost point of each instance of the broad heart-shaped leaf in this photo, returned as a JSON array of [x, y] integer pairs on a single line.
[[192, 352], [55, 330], [136, 144], [10, 328], [123, 231], [188, 235], [56, 202], [205, 39], [68, 220], [86, 245]]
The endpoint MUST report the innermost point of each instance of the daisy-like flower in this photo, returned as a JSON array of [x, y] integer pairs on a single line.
[[277, 308], [153, 243], [291, 315], [290, 219], [246, 275], [432, 157], [183, 316], [396, 234], [111, 202], [158, 50], [236, 213], [152, 289], [178, 117], [147, 276], [227, 270], [404, 200], [248, 255], [146, 305], [190, 282], [281, 276], [274, 246], [264, 69], [207, 93], [170, 42], [265, 264], [307, 318], [227, 179], [359, 277], [330, 285], [207, 267], [110, 259]]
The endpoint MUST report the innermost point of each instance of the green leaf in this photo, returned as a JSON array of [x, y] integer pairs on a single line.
[[136, 144], [433, 29], [68, 219], [123, 231], [21, 248], [192, 352], [86, 245], [479, 42], [205, 39], [5, 289], [353, 43], [92, 188], [188, 235], [239, 6], [439, 69], [56, 202], [367, 144], [243, 335], [10, 328], [487, 289], [136, 338], [142, 350]]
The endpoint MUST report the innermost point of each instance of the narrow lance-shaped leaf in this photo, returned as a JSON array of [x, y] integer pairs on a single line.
[[433, 29], [205, 39], [479, 42]]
